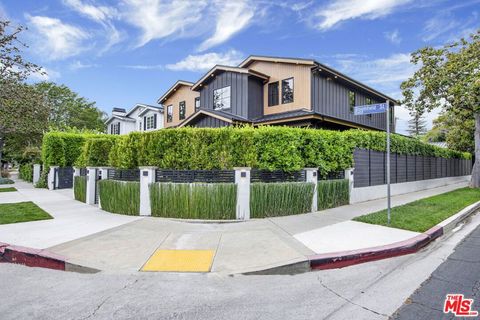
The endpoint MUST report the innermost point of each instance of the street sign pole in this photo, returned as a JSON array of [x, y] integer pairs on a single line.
[[388, 162]]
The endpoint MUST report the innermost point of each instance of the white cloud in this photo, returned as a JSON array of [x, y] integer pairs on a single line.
[[102, 15], [341, 10], [438, 25], [56, 40], [44, 74], [160, 19], [232, 17], [203, 62], [145, 67], [393, 36], [78, 65]]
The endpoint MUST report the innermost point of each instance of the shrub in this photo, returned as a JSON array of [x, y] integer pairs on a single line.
[[6, 181], [332, 193], [214, 201], [119, 196], [25, 172], [280, 199], [42, 180], [80, 188], [95, 152]]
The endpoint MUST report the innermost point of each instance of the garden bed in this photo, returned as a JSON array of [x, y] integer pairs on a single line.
[[119, 196], [80, 188]]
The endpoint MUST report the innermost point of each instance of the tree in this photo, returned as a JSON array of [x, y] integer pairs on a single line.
[[449, 78], [68, 109], [21, 110], [417, 125]]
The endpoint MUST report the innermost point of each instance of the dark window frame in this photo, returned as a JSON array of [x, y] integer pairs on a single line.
[[170, 113], [221, 98], [197, 99], [182, 115], [293, 90], [351, 103], [272, 95]]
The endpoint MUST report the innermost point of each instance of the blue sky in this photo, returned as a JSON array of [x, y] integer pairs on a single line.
[[123, 52]]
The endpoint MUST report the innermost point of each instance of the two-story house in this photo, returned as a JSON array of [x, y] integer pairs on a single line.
[[274, 91], [141, 117]]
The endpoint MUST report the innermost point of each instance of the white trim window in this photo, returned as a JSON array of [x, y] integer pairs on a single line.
[[170, 113], [221, 98], [150, 123]]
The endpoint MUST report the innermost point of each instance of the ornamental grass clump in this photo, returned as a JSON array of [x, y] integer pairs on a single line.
[[80, 188], [280, 199], [212, 201], [119, 196], [332, 193]]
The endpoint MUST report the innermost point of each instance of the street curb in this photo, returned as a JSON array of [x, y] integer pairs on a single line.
[[343, 259], [38, 258]]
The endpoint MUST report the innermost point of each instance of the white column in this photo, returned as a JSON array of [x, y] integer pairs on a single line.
[[91, 185], [36, 173], [312, 177], [76, 171], [147, 176], [349, 177], [242, 180], [52, 180]]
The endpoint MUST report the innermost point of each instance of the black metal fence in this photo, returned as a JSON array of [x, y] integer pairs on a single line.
[[124, 174], [257, 175], [83, 172], [190, 176], [370, 168]]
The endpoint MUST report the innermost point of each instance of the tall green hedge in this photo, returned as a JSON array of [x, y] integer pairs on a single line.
[[280, 199], [214, 201], [271, 148], [332, 193], [120, 196], [25, 172]]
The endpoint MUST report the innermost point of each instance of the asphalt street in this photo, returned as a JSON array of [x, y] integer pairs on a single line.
[[366, 291], [460, 273]]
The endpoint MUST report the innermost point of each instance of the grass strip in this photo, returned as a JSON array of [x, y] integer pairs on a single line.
[[21, 212], [280, 199], [423, 214], [8, 189], [208, 201]]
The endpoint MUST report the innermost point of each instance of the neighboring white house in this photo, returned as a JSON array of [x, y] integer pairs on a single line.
[[142, 117]]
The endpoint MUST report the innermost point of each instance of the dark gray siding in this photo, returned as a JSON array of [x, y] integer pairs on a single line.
[[255, 98], [209, 122], [238, 91], [330, 98]]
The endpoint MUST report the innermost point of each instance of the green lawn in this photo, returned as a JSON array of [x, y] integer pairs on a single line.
[[423, 214], [8, 189], [21, 212]]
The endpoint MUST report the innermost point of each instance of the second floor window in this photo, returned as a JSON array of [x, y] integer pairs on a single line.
[[351, 100], [287, 90], [368, 101], [115, 128], [273, 94], [170, 113], [221, 98], [197, 103], [149, 123], [181, 110]]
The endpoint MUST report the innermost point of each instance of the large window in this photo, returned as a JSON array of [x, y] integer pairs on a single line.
[[150, 122], [169, 113], [181, 110], [351, 100], [273, 94], [221, 98], [115, 128], [197, 103], [287, 90]]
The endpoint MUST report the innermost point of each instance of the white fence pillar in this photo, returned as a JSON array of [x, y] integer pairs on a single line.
[[76, 171], [349, 177], [147, 176], [311, 175], [91, 185], [52, 180], [37, 168], [242, 180]]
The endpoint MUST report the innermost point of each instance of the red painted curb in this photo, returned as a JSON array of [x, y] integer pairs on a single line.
[[31, 257], [343, 259]]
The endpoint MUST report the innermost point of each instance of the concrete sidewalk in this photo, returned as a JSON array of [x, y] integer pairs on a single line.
[[93, 238]]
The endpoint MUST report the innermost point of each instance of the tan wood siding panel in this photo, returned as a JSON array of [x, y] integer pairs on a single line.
[[279, 72], [183, 93]]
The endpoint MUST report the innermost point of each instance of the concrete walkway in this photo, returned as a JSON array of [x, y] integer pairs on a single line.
[[114, 243]]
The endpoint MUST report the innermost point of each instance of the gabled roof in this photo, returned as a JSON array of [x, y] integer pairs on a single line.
[[218, 68], [317, 66], [173, 89], [121, 118], [142, 105], [224, 116], [154, 109]]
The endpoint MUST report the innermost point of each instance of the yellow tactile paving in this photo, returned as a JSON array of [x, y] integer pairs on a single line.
[[180, 261]]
